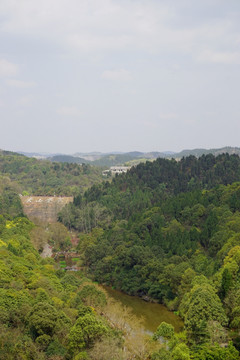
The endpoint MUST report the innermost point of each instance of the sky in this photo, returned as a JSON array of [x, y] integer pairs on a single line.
[[119, 75]]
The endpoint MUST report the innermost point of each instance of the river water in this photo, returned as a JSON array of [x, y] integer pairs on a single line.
[[153, 314]]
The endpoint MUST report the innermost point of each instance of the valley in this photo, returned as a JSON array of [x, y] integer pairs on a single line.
[[119, 180], [165, 231]]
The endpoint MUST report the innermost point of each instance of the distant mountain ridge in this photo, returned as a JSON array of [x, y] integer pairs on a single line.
[[132, 157], [199, 152], [68, 159]]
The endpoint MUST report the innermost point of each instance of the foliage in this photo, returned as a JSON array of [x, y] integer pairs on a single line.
[[203, 305], [39, 318], [215, 352], [164, 330], [169, 230], [42, 177], [90, 295], [42, 319], [58, 234], [166, 230], [86, 329]]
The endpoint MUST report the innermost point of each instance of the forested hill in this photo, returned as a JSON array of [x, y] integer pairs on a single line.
[[42, 177], [167, 230], [170, 231], [47, 313], [199, 152], [187, 174], [149, 184], [67, 159]]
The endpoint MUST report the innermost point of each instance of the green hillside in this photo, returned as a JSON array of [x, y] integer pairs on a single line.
[[199, 152], [167, 231], [170, 231], [68, 159], [47, 313], [114, 159], [42, 177]]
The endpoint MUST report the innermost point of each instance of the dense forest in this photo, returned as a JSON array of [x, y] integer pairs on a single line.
[[167, 231], [49, 314], [42, 177], [170, 231]]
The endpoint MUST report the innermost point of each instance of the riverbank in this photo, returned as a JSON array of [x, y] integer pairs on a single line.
[[152, 314]]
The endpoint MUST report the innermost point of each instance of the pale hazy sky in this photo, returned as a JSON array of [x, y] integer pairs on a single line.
[[88, 75]]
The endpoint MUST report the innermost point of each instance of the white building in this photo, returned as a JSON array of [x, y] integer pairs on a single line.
[[116, 170]]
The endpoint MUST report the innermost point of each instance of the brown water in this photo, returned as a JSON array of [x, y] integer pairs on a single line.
[[152, 314]]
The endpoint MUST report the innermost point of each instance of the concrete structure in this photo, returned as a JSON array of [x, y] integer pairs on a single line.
[[45, 208], [116, 170]]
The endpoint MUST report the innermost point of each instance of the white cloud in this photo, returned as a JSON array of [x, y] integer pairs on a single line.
[[160, 46], [100, 25], [92, 25], [150, 124], [216, 57], [7, 68], [20, 84], [168, 116], [25, 101], [92, 42], [163, 116], [116, 75], [68, 111]]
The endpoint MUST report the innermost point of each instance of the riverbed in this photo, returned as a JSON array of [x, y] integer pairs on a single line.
[[152, 314]]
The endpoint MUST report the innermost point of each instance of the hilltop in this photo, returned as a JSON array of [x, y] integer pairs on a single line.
[[107, 160], [43, 177]]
